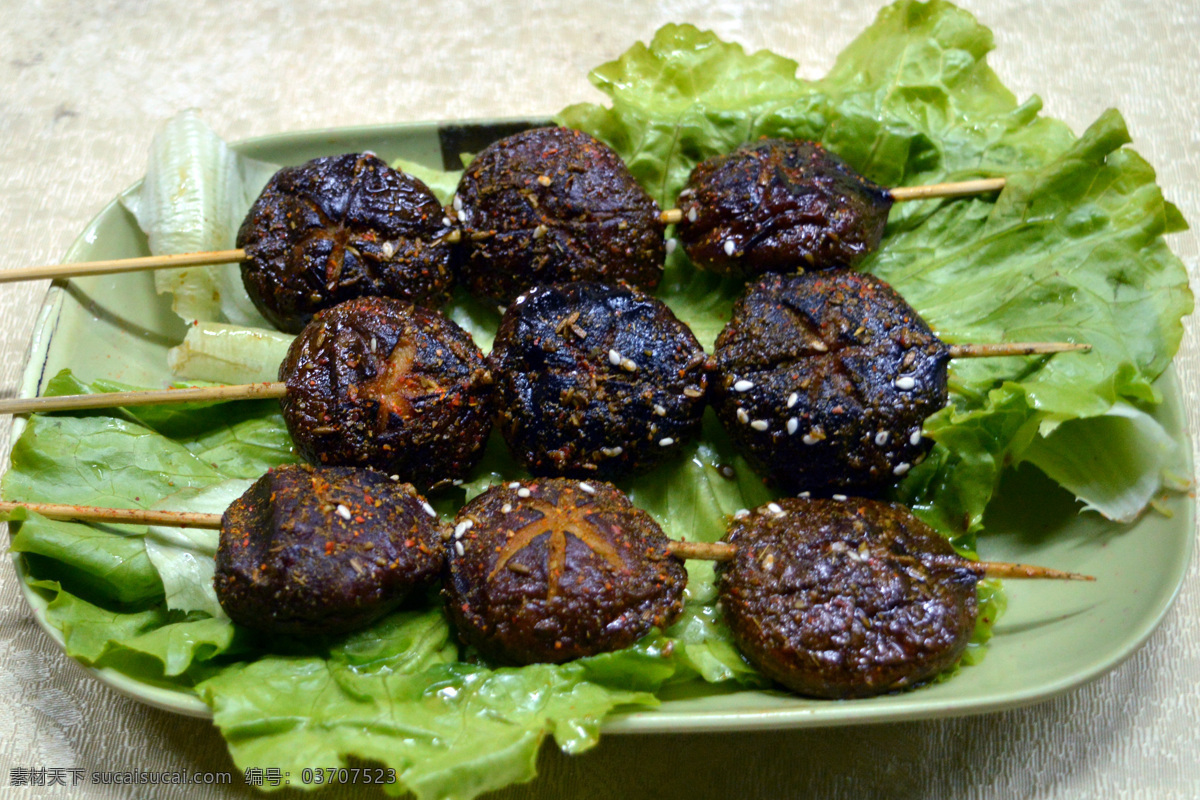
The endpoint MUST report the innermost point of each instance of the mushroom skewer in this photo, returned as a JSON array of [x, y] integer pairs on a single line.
[[321, 233], [310, 241], [261, 391], [371, 382], [306, 551], [824, 380], [702, 551], [780, 204]]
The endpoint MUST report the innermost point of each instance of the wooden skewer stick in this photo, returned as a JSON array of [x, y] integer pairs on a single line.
[[669, 217], [70, 402], [900, 194], [706, 551], [132, 516], [903, 194], [121, 265], [260, 391], [1013, 349], [83, 268], [722, 551]]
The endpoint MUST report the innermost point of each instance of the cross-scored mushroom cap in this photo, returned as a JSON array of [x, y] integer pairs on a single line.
[[342, 227], [553, 570]]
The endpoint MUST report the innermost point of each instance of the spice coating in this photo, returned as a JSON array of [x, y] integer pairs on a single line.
[[342, 227], [552, 205], [322, 551], [823, 381], [386, 384], [842, 599], [595, 380], [554, 570], [777, 206]]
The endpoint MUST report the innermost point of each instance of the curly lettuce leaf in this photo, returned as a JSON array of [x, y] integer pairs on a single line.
[[1072, 250], [396, 694]]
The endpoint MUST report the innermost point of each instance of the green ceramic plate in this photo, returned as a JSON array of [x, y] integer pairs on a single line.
[[1054, 637]]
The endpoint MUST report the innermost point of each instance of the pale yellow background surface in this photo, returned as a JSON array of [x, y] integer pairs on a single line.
[[83, 85]]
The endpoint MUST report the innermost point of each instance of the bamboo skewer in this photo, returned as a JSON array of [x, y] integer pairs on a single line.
[[263, 391], [55, 271], [901, 194], [669, 217], [1014, 349], [132, 516], [196, 394], [722, 551], [705, 551]]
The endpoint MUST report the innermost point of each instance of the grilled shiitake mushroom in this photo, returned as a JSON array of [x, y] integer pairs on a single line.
[[552, 570], [342, 227], [552, 205]]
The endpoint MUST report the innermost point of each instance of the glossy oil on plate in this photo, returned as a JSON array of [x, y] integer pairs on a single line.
[[1055, 636]]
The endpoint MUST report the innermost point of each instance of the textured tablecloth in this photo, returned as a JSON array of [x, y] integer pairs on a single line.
[[83, 85]]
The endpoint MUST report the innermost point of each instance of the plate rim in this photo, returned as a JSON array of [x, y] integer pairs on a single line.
[[811, 714]]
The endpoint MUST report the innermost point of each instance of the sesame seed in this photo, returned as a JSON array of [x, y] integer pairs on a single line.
[[343, 512], [760, 424], [388, 249], [915, 438], [881, 438], [672, 243], [730, 247], [692, 391], [902, 468], [507, 507], [774, 508], [692, 214], [741, 513], [793, 425], [447, 222], [905, 382], [394, 477], [523, 492], [462, 528], [809, 439], [742, 416], [793, 398], [540, 231], [659, 410], [666, 441], [769, 562], [544, 180], [743, 386], [428, 509], [501, 309], [685, 193], [628, 365], [514, 485], [615, 358], [458, 548], [587, 487], [804, 495], [612, 452], [519, 300], [457, 203], [839, 497]]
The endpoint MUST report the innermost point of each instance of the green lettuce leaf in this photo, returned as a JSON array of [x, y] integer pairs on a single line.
[[1072, 250], [396, 695]]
